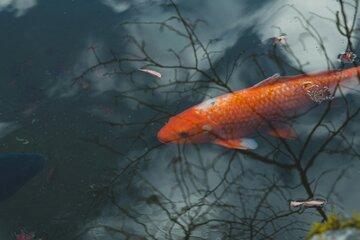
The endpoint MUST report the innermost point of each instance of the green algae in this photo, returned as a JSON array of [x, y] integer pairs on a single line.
[[334, 222]]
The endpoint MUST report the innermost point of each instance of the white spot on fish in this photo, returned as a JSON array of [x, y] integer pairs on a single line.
[[207, 127], [206, 104], [225, 97]]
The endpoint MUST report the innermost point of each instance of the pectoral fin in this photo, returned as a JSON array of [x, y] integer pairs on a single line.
[[282, 130], [242, 143]]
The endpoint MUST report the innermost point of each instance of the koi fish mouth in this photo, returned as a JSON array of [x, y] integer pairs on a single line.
[[163, 135]]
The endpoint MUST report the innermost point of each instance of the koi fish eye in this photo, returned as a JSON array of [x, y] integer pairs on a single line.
[[183, 134]]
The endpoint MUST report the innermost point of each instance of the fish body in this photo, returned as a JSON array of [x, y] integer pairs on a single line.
[[231, 119], [16, 169]]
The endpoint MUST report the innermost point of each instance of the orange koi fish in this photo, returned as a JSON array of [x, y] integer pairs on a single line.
[[231, 119]]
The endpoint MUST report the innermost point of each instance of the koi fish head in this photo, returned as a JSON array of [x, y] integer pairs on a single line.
[[187, 127]]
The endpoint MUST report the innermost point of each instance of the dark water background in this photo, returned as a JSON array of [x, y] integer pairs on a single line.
[[44, 47]]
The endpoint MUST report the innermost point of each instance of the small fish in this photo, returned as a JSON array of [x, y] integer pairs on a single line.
[[347, 57], [151, 72], [308, 203], [232, 119]]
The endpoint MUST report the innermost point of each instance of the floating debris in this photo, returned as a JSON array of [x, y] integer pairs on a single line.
[[348, 57], [280, 40], [308, 203], [318, 93], [151, 72]]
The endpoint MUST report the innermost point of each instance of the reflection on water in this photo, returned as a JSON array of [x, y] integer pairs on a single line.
[[72, 91]]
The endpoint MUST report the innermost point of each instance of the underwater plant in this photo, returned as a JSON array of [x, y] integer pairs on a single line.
[[333, 225]]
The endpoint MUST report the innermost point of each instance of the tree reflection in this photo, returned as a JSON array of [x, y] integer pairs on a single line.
[[207, 192]]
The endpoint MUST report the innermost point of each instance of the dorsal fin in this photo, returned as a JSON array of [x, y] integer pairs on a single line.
[[268, 80]]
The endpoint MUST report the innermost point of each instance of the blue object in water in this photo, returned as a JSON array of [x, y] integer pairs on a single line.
[[16, 169]]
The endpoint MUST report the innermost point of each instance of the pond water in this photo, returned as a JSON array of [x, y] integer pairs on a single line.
[[71, 91]]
